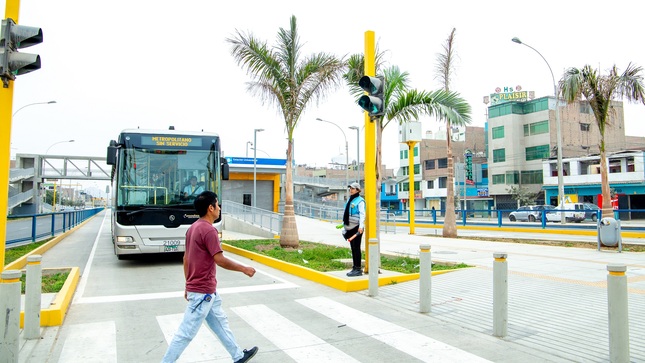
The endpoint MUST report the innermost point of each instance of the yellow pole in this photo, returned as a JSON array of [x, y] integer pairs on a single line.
[[371, 209], [6, 109], [411, 181]]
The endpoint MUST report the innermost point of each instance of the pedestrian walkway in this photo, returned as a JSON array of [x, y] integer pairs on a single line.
[[557, 308]]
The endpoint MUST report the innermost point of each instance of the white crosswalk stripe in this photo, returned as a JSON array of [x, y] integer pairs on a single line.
[[97, 342], [91, 342], [412, 343], [293, 340]]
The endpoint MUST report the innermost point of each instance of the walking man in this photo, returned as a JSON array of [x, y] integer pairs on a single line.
[[354, 225], [203, 254]]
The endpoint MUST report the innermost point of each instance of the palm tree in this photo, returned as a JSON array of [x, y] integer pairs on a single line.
[[282, 76], [445, 67], [402, 104], [600, 91]]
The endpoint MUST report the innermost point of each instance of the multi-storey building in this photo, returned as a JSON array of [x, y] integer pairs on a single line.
[[522, 134], [431, 170]]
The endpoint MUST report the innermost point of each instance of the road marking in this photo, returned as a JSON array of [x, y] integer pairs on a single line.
[[407, 341], [205, 347], [80, 289], [293, 340], [278, 285], [91, 342]]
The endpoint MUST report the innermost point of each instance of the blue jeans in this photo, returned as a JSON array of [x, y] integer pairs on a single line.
[[201, 308]]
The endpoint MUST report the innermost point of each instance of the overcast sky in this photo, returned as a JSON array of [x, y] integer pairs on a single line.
[[119, 64]]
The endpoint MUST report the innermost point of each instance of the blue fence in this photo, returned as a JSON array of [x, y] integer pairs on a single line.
[[34, 227]]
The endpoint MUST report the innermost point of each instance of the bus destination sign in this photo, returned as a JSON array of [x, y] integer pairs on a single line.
[[171, 141]]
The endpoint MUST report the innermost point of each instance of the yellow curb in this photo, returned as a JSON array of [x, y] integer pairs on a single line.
[[55, 314], [322, 277]]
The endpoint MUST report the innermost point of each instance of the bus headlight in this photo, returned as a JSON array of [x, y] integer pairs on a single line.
[[124, 239]]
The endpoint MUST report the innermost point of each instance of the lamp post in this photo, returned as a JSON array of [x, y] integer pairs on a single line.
[[247, 148], [56, 143], [358, 153], [558, 134], [262, 151], [31, 104], [255, 142], [346, 156]]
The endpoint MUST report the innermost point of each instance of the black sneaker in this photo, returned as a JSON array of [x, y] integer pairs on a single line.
[[354, 273], [248, 354]]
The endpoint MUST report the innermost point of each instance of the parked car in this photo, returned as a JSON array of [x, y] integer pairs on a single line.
[[591, 211], [573, 212], [529, 213]]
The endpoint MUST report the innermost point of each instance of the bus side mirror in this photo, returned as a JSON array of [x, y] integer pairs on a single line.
[[224, 164], [111, 153]]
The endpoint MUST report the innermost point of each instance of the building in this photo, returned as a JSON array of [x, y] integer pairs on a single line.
[[524, 133]]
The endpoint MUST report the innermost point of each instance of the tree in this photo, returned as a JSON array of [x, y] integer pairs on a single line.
[[445, 69], [600, 91], [523, 195], [282, 76], [402, 104]]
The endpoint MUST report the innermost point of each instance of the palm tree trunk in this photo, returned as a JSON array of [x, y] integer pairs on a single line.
[[449, 220], [607, 209], [289, 233]]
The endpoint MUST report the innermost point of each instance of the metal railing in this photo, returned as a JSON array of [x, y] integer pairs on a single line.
[[260, 217], [34, 227]]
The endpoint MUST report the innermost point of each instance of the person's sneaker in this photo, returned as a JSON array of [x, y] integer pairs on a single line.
[[248, 354], [354, 273]]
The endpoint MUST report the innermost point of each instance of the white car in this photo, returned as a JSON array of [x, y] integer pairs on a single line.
[[573, 212]]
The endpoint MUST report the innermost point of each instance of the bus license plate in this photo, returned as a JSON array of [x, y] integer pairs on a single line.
[[170, 246]]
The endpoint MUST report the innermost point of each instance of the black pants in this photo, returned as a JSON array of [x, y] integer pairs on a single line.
[[355, 245]]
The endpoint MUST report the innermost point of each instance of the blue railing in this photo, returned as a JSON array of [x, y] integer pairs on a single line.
[[34, 227]]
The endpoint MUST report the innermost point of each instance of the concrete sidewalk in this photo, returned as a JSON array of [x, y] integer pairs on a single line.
[[557, 295]]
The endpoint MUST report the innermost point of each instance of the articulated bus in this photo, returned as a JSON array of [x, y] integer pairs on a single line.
[[156, 175]]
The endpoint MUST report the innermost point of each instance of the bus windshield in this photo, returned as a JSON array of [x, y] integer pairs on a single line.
[[162, 177]]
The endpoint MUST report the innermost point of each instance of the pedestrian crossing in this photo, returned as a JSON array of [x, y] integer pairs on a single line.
[[296, 336]]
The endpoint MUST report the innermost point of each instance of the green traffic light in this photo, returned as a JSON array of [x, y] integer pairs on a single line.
[[373, 105]]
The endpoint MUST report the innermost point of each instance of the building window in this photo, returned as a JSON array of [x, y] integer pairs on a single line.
[[429, 164], [498, 132], [484, 173], [585, 108], [430, 184], [537, 152], [417, 168], [404, 187], [443, 163], [443, 182], [499, 155], [531, 177], [416, 151], [512, 177], [499, 179], [584, 127], [536, 128]]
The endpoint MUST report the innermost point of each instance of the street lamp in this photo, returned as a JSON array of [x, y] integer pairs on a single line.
[[358, 153], [31, 104], [346, 155], [255, 142], [247, 148], [56, 143], [265, 153], [558, 134]]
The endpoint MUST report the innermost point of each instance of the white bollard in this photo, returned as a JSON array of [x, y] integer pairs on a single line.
[[500, 295], [425, 279], [618, 314], [10, 308], [33, 290], [375, 263]]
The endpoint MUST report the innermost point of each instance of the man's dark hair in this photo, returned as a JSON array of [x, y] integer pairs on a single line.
[[203, 200]]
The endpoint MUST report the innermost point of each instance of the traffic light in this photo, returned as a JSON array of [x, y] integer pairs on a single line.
[[373, 101], [14, 37]]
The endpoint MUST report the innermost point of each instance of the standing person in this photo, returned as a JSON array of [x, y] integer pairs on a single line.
[[203, 254], [192, 190], [354, 225]]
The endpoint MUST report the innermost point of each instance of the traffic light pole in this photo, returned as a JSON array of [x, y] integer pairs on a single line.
[[6, 109]]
